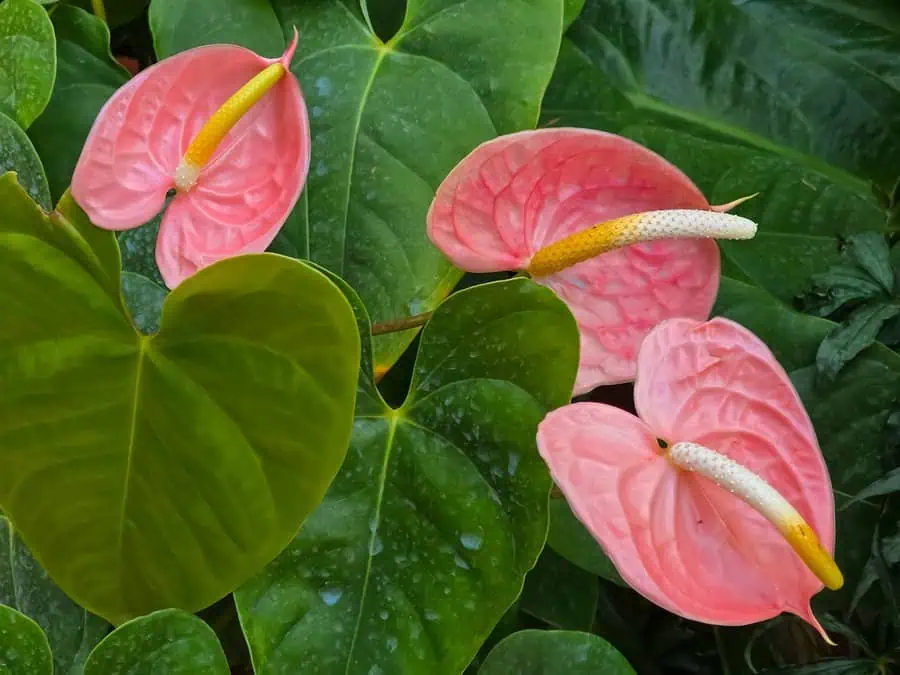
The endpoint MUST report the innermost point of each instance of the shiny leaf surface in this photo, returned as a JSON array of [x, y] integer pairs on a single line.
[[440, 509]]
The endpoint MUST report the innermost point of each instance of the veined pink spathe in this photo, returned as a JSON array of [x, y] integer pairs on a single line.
[[243, 194], [675, 536], [518, 193]]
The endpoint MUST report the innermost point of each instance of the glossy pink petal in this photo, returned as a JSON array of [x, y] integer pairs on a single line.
[[243, 194], [519, 193], [676, 537]]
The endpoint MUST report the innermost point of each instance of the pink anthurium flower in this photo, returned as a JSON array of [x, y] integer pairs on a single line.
[[730, 519], [226, 129], [566, 205]]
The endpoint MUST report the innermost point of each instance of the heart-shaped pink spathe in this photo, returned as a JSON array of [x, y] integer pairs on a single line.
[[676, 537], [244, 193], [518, 193]]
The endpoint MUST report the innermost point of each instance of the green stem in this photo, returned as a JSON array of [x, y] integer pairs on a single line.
[[401, 324], [99, 9]]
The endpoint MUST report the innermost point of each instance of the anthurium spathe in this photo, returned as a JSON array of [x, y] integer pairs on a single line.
[[552, 202], [226, 129], [728, 518]]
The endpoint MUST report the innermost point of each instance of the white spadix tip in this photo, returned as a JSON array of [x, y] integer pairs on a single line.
[[677, 223]]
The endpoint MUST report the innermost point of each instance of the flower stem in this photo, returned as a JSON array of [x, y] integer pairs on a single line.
[[99, 9], [401, 324]]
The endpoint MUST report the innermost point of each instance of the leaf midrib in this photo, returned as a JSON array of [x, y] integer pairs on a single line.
[[376, 520], [143, 345]]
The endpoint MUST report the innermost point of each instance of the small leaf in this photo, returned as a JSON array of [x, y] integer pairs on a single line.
[[888, 483], [870, 251], [27, 60], [837, 287], [23, 646], [570, 539], [228, 425], [18, 154], [167, 642], [853, 336], [71, 630], [86, 76], [538, 652], [890, 554], [144, 299], [560, 594]]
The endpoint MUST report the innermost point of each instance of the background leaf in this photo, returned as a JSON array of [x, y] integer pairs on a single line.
[[849, 414], [177, 25], [870, 251], [560, 594], [144, 299], [425, 537], [535, 652], [846, 341], [17, 154], [86, 76], [751, 107], [27, 60], [168, 642], [388, 122], [110, 434], [570, 539], [71, 630], [23, 646]]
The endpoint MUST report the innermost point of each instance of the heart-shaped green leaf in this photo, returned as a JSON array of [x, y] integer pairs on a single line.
[[71, 630], [148, 472], [737, 120], [86, 76], [167, 642], [849, 414], [541, 652], [23, 646], [17, 154], [27, 60], [389, 121], [440, 509]]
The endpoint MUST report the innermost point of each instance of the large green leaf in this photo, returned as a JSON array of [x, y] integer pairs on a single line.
[[71, 630], [86, 76], [27, 60], [425, 537], [752, 106], [147, 472], [540, 652], [17, 154], [849, 414], [389, 121], [167, 642], [23, 646]]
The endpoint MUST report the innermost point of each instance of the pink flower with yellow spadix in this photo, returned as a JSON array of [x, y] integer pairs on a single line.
[[621, 235], [729, 519], [226, 129]]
